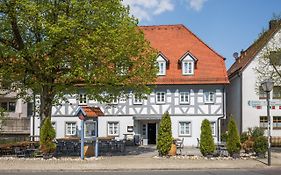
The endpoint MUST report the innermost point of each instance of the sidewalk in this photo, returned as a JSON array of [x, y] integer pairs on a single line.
[[146, 161]]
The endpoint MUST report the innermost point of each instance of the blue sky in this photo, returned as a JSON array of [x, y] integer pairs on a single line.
[[227, 26]]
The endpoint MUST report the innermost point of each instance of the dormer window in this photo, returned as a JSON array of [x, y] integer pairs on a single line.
[[187, 62], [162, 62]]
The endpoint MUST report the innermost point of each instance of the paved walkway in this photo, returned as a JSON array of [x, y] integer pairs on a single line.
[[142, 158]]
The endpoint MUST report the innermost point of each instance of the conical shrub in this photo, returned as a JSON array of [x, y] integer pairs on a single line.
[[233, 141], [47, 135], [164, 140], [207, 145]]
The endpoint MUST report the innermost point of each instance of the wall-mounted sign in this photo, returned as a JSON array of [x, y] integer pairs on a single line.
[[130, 128], [255, 103]]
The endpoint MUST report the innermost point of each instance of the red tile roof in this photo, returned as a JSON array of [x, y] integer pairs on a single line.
[[176, 40], [92, 112], [248, 55]]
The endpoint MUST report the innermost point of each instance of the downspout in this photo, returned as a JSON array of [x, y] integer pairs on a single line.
[[33, 118], [223, 115]]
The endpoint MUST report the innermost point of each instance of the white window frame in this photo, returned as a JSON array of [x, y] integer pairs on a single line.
[[187, 67], [184, 128], [209, 97], [137, 100], [184, 94], [115, 124], [213, 125], [83, 99], [161, 69], [162, 98], [73, 132], [85, 126]]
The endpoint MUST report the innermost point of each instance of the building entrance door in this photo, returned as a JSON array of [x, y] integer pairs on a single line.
[[151, 127]]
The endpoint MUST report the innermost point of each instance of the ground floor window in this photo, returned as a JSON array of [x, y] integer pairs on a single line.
[[70, 128], [90, 128], [9, 106], [113, 128], [276, 122], [185, 128], [213, 127]]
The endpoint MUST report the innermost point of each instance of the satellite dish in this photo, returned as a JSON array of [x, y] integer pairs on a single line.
[[235, 55]]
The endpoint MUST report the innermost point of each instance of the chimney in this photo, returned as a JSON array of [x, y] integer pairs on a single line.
[[274, 23]]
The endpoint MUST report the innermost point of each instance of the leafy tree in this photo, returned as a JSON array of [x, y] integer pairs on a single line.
[[165, 139], [56, 47], [47, 135], [207, 145], [233, 140]]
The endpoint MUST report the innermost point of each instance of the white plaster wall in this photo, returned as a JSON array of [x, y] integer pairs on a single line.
[[60, 125], [251, 115], [195, 128], [124, 121]]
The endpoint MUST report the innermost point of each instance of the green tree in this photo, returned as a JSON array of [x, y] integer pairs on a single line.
[[56, 47], [47, 135], [165, 139], [207, 145], [233, 140]]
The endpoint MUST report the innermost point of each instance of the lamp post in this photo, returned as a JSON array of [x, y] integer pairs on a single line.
[[267, 86]]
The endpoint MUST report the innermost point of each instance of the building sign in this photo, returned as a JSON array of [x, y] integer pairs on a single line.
[[258, 103]]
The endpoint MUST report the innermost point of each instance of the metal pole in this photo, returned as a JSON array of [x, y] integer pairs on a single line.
[[82, 140], [269, 130]]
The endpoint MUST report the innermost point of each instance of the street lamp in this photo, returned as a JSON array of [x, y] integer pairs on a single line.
[[267, 86]]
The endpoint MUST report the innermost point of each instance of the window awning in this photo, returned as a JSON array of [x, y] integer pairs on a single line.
[[147, 117]]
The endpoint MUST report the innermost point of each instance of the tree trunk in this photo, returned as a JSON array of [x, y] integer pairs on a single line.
[[46, 97]]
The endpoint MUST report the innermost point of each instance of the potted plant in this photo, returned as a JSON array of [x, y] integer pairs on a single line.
[[260, 146], [233, 141], [207, 145]]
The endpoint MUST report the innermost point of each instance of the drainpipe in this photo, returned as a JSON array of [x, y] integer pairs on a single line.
[[33, 118], [223, 116]]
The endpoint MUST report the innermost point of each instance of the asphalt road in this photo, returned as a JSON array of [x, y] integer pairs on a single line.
[[269, 171]]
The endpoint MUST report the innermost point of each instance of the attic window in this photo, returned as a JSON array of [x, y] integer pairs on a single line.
[[187, 62], [162, 62]]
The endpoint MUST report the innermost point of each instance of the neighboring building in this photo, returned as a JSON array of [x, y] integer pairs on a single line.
[[17, 116], [190, 86], [243, 89]]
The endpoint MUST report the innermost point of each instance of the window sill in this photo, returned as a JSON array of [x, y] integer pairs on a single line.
[[209, 102], [160, 103], [184, 103], [185, 135]]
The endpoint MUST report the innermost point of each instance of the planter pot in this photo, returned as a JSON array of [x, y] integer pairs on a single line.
[[235, 155], [173, 150]]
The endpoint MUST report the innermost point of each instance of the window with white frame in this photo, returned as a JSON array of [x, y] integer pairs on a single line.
[[185, 128], [161, 68], [137, 100], [187, 67], [160, 97], [90, 128], [82, 99], [213, 127], [9, 106], [209, 97], [184, 97], [113, 128], [70, 128]]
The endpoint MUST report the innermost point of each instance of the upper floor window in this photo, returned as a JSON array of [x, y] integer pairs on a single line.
[[160, 97], [184, 97], [277, 92], [162, 64], [137, 100], [82, 99], [262, 94], [187, 68], [9, 106], [209, 97]]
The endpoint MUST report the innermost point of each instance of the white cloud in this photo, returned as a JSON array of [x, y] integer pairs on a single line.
[[196, 5], [145, 9]]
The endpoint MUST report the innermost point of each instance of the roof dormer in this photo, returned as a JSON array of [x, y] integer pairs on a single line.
[[187, 62], [162, 63]]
